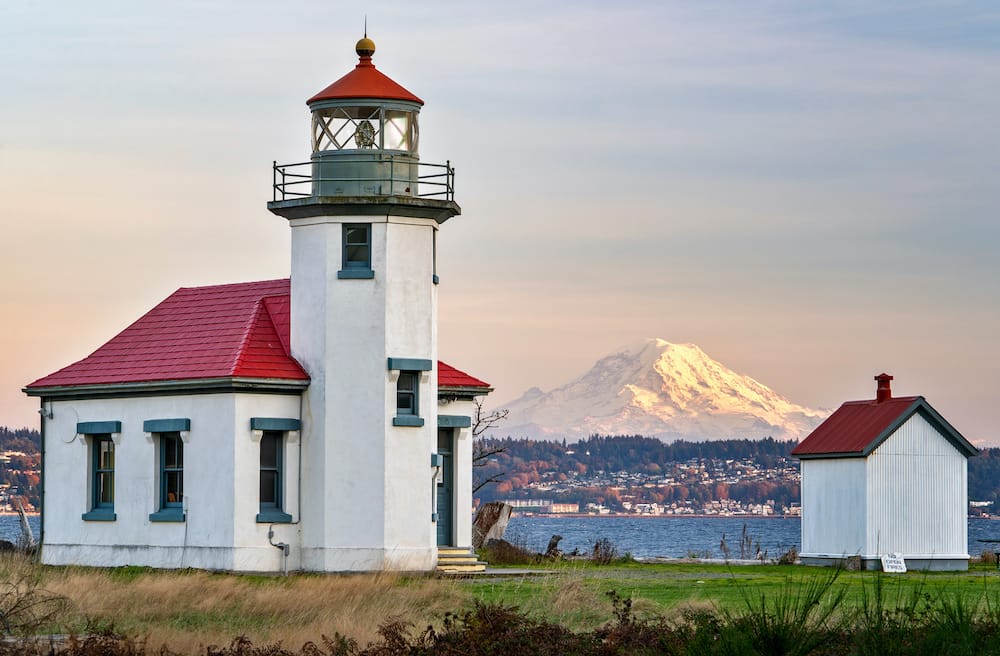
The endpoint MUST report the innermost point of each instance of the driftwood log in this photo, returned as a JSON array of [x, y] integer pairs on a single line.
[[490, 523]]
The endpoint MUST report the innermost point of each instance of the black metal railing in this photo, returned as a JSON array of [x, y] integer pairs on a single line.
[[291, 181]]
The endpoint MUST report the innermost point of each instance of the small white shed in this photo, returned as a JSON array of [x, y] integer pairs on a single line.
[[885, 476]]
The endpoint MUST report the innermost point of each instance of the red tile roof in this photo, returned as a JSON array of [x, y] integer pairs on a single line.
[[223, 331], [858, 427]]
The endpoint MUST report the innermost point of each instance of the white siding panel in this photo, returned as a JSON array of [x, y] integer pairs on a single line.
[[917, 494], [833, 507]]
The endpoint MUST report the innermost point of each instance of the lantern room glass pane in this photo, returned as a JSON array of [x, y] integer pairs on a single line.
[[347, 128], [398, 133]]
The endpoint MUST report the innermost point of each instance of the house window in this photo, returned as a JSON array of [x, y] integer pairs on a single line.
[[171, 467], [357, 251], [171, 470], [102, 503], [272, 478]]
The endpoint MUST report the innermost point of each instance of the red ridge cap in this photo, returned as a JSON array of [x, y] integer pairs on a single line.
[[365, 81]]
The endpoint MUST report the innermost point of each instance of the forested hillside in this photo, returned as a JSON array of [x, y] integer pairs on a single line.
[[20, 467], [614, 470]]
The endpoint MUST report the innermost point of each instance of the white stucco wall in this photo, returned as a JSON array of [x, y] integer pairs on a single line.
[[916, 493], [364, 502], [221, 484], [833, 507]]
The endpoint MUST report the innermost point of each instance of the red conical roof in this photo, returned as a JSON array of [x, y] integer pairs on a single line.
[[365, 81]]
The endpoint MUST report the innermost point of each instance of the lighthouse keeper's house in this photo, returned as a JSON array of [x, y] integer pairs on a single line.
[[295, 424], [885, 476]]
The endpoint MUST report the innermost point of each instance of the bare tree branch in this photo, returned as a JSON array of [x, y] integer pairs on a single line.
[[484, 422], [481, 454]]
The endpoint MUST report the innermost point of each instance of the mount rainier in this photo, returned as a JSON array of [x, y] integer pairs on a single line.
[[659, 389]]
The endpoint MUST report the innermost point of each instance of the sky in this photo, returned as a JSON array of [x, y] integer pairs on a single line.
[[807, 190]]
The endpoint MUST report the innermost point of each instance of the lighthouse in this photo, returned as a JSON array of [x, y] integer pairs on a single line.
[[364, 212], [303, 423]]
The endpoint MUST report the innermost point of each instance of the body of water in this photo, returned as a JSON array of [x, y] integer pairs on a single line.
[[678, 537], [10, 527], [645, 537]]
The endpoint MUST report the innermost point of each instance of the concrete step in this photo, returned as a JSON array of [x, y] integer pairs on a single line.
[[470, 568], [458, 560]]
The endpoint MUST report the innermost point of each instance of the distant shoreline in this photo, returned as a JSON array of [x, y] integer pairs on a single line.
[[637, 516], [687, 516]]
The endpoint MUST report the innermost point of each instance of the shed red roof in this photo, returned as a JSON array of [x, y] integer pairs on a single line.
[[223, 331], [365, 81], [858, 427]]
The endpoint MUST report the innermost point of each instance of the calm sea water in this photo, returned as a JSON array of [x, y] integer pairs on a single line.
[[645, 537], [677, 537], [10, 527]]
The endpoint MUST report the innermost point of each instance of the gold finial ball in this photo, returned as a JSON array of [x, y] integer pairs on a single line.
[[365, 47]]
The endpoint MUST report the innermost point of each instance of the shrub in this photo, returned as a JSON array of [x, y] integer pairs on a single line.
[[604, 552], [25, 607], [501, 552]]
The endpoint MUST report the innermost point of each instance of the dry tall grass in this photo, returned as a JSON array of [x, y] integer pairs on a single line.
[[192, 609]]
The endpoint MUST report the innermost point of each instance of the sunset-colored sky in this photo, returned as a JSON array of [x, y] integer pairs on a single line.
[[807, 190]]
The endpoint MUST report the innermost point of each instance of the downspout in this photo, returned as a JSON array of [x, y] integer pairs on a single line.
[[41, 481]]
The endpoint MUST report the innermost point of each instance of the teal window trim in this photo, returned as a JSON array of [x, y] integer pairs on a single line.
[[166, 425], [454, 421], [275, 424], [407, 420], [434, 255], [356, 252], [273, 517], [355, 274], [168, 515], [410, 364], [100, 515], [98, 427]]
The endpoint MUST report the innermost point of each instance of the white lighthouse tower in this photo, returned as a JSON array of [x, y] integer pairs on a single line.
[[364, 213]]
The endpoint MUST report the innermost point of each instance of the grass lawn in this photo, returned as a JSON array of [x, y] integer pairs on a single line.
[[576, 593], [189, 609]]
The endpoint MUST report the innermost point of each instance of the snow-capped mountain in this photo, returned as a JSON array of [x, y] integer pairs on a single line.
[[659, 389]]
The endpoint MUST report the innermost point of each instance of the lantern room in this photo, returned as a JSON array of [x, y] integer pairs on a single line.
[[365, 134]]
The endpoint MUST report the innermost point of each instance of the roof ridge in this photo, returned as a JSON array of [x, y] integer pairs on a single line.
[[282, 336], [251, 326], [233, 284]]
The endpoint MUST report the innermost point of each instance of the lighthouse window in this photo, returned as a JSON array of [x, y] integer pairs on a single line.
[[357, 251], [408, 400]]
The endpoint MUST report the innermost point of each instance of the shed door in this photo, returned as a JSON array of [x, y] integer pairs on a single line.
[[445, 487]]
